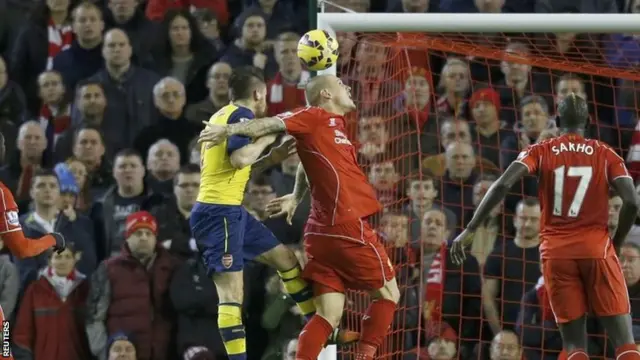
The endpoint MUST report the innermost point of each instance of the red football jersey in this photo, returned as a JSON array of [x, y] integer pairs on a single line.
[[8, 210], [340, 191], [574, 175]]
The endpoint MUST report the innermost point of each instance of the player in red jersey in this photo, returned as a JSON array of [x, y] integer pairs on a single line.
[[13, 238], [344, 251], [579, 259]]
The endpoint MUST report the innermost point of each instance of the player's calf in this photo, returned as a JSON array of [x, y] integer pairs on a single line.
[[620, 331], [377, 319], [230, 288], [330, 306]]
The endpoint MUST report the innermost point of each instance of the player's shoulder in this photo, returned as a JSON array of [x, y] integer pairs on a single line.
[[302, 110]]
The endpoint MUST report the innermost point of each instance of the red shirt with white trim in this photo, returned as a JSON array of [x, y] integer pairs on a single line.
[[340, 192], [574, 175], [8, 211]]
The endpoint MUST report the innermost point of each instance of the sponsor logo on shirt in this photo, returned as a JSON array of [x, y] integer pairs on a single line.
[[12, 218], [341, 138]]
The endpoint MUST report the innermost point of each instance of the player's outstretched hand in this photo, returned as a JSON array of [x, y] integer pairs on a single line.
[[212, 134], [285, 205], [60, 242], [457, 252], [281, 152]]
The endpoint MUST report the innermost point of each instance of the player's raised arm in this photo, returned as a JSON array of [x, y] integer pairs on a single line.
[[619, 178], [286, 205], [216, 134]]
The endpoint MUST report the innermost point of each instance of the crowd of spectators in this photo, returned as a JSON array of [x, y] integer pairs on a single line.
[[101, 102]]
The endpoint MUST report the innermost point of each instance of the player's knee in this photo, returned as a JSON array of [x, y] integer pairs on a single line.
[[389, 291], [330, 306], [280, 257]]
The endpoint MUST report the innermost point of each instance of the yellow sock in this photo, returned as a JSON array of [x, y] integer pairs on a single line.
[[299, 290], [232, 330]]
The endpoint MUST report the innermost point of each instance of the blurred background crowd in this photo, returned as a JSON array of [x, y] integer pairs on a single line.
[[100, 104]]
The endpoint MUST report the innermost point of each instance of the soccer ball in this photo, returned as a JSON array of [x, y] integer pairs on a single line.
[[318, 50]]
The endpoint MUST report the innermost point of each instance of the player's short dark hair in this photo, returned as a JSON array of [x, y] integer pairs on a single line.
[[243, 82], [573, 112], [43, 172], [128, 152], [186, 170]]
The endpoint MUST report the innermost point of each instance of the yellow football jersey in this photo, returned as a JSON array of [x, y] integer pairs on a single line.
[[220, 182]]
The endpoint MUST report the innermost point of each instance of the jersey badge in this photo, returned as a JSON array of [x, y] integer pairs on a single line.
[[12, 218], [521, 155], [227, 260], [332, 122]]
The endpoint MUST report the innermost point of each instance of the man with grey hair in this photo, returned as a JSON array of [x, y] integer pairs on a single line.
[[458, 180], [169, 98], [163, 162]]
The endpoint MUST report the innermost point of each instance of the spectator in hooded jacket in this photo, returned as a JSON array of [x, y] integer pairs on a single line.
[[126, 284], [50, 322], [184, 53]]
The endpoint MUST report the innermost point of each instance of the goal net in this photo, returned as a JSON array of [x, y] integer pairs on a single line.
[[439, 116]]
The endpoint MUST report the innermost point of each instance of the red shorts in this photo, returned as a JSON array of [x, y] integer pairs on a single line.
[[579, 286], [345, 256]]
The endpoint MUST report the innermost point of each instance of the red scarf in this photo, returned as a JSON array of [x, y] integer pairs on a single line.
[[283, 97], [61, 119], [60, 38], [434, 291], [422, 116], [543, 301]]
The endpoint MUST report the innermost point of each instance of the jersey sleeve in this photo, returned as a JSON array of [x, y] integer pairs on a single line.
[[299, 121], [9, 211], [615, 166], [235, 142], [530, 158]]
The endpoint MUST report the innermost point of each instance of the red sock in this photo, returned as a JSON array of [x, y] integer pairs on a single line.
[[627, 352], [375, 325], [578, 355], [313, 337]]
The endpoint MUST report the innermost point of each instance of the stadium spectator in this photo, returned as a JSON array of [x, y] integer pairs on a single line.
[[258, 194], [286, 90], [489, 128], [169, 98], [218, 85], [451, 296], [250, 47], [50, 324], [210, 28], [630, 260], [9, 283], [453, 89], [290, 349], [84, 200], [194, 298], [47, 217], [120, 288], [46, 33], [68, 186], [128, 15], [282, 179], [413, 6], [194, 152], [512, 269], [458, 180], [127, 196], [88, 148], [55, 112], [90, 103], [119, 346], [13, 107], [128, 88], [491, 233], [423, 196], [156, 9], [174, 232], [385, 179], [615, 203], [163, 162], [347, 41], [442, 346], [505, 346], [83, 58], [19, 170], [279, 15], [394, 227], [570, 6], [184, 53], [373, 137]]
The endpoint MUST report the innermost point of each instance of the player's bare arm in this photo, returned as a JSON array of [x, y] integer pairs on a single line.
[[216, 134], [287, 205], [624, 187], [276, 155], [494, 196], [301, 185], [250, 153]]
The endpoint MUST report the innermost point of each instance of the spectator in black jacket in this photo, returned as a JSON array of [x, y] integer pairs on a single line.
[[218, 85], [128, 15], [184, 53], [88, 148], [84, 57], [163, 162], [174, 231]]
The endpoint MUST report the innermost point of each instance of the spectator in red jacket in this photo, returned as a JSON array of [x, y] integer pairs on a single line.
[[49, 323], [157, 8], [124, 286]]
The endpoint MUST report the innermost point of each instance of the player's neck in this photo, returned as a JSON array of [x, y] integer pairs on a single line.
[[245, 104], [526, 243], [572, 131], [48, 213], [332, 108]]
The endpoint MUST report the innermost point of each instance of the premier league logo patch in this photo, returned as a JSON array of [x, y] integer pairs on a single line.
[[227, 260]]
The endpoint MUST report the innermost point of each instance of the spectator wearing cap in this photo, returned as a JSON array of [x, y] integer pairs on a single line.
[[286, 90], [47, 216], [184, 53], [484, 107], [13, 108], [250, 48], [69, 189], [83, 58], [50, 322], [218, 85], [124, 285], [156, 9], [210, 28], [128, 88], [120, 347], [174, 231], [169, 99], [128, 15]]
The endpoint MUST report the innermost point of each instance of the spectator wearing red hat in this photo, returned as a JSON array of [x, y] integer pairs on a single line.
[[484, 106], [123, 287]]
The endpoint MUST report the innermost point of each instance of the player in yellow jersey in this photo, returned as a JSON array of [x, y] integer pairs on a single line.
[[224, 231]]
